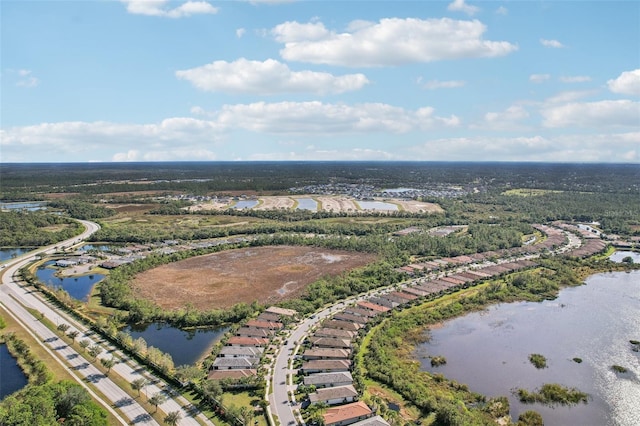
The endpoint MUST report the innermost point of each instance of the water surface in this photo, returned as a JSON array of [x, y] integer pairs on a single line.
[[307, 204], [619, 255], [184, 346], [377, 205], [245, 204], [10, 253], [78, 287], [13, 379], [489, 350]]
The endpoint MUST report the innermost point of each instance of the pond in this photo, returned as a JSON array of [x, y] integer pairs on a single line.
[[489, 350], [78, 287], [13, 379], [307, 204], [10, 253], [245, 204], [377, 205], [184, 346], [619, 255], [31, 206]]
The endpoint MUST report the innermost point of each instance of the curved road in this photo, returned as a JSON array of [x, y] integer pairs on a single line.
[[16, 299], [281, 378]]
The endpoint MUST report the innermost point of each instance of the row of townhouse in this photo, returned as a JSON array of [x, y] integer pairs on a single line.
[[241, 355], [327, 362]]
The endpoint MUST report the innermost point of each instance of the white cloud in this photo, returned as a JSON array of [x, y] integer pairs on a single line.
[[25, 78], [240, 32], [159, 8], [506, 120], [613, 147], [319, 118], [627, 83], [391, 41], [437, 84], [551, 43], [314, 154], [593, 114], [267, 78], [568, 96], [575, 79], [502, 11], [461, 6], [539, 78]]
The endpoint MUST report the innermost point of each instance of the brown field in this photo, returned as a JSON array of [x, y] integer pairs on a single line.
[[270, 203], [338, 204], [419, 207], [265, 274]]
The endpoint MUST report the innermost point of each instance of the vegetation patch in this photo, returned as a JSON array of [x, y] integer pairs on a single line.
[[220, 280], [619, 368], [539, 361], [551, 394], [437, 361], [577, 360]]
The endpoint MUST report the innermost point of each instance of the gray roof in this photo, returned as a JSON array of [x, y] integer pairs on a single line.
[[323, 379], [337, 392], [241, 351], [371, 421], [228, 362]]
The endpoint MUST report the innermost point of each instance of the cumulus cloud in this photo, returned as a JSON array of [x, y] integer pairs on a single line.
[[437, 84], [240, 32], [505, 120], [539, 78], [575, 79], [551, 43], [27, 79], [568, 96], [461, 6], [627, 83], [593, 114], [159, 8], [611, 147], [326, 118], [267, 78], [391, 41]]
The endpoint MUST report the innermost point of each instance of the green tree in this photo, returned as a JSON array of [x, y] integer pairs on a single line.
[[157, 399], [72, 335], [94, 351], [172, 418], [84, 344], [108, 363], [63, 327], [139, 384]]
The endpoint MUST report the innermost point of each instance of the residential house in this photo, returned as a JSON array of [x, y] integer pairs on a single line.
[[240, 363], [334, 395], [326, 353], [325, 366], [326, 380], [347, 414], [240, 352]]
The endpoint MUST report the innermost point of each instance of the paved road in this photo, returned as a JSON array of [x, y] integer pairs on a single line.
[[279, 402], [16, 298]]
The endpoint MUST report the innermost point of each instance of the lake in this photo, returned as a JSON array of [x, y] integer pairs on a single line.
[[619, 255], [377, 205], [13, 379], [31, 206], [10, 253], [184, 346], [78, 287], [245, 204], [489, 350], [307, 204]]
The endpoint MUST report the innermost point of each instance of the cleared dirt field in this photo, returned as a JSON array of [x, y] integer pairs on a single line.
[[419, 207], [266, 274], [270, 203], [338, 204]]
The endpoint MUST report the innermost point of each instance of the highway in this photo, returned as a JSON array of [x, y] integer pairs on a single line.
[[16, 299]]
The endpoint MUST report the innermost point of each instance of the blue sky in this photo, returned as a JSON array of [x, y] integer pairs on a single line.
[[320, 80]]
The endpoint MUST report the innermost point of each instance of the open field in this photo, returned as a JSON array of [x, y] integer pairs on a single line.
[[337, 203], [220, 280]]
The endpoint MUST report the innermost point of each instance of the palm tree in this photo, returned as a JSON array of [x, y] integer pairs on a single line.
[[94, 351], [108, 363], [172, 418], [72, 335], [84, 343], [157, 399], [139, 384]]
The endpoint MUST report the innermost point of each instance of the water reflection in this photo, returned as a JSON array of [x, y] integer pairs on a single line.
[[13, 379], [184, 346], [489, 351], [78, 287]]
